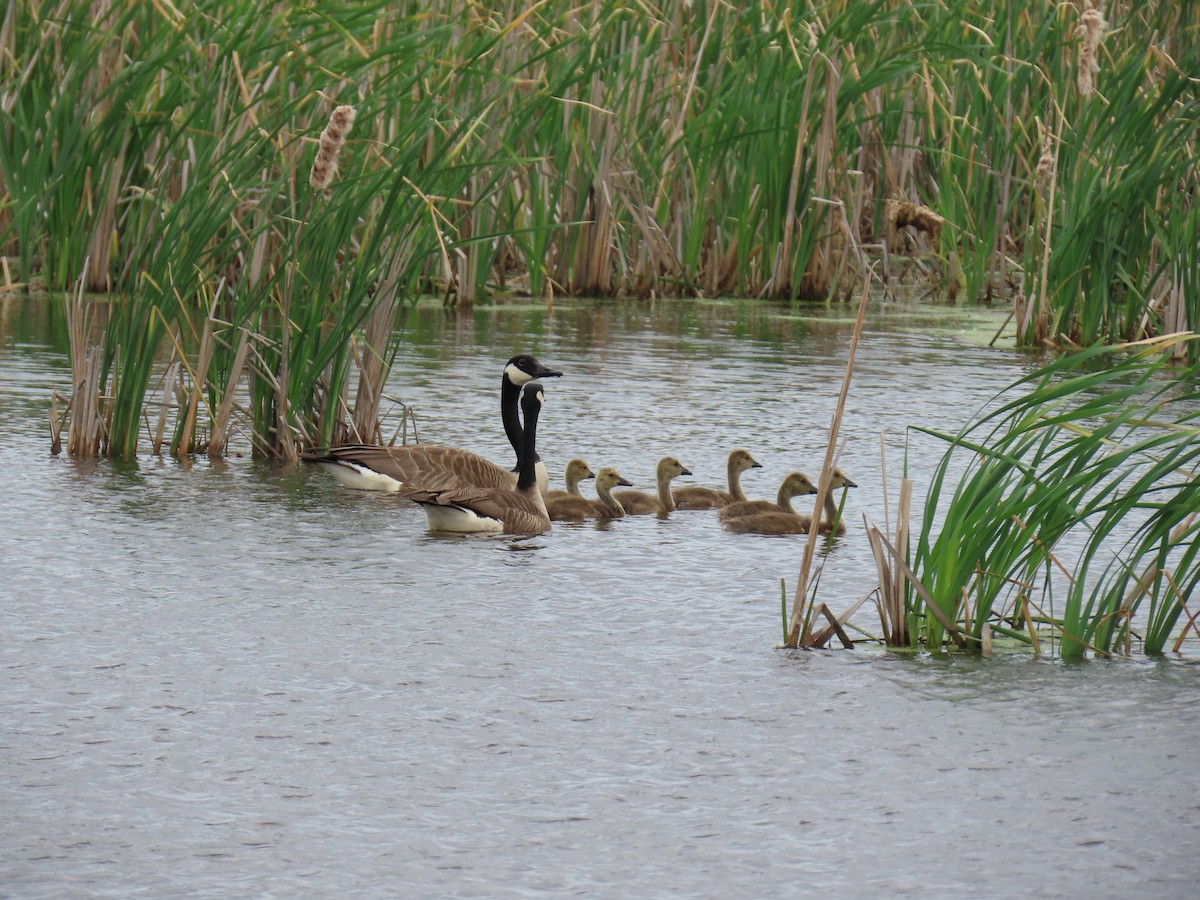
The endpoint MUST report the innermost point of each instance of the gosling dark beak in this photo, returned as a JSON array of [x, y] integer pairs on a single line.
[[685, 471], [626, 483], [849, 483]]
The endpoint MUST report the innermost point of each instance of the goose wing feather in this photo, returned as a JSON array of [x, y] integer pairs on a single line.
[[518, 513], [423, 466]]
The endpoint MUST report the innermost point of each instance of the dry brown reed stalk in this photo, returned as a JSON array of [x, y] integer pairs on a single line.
[[87, 431], [220, 427], [1090, 30], [799, 600], [324, 167], [906, 214], [890, 595], [199, 379], [372, 360], [170, 379]]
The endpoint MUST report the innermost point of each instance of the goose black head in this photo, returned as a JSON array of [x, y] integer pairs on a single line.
[[533, 397], [523, 368]]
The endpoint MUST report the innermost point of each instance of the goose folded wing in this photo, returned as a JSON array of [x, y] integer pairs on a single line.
[[429, 466]]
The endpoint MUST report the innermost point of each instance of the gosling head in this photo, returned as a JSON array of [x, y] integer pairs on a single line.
[[797, 484], [523, 368], [669, 467], [609, 478], [741, 460], [839, 480], [577, 470]]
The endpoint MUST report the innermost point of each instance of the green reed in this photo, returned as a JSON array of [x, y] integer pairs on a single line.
[[1097, 450], [595, 148]]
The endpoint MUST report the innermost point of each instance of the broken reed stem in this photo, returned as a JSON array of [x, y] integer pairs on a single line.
[[810, 548]]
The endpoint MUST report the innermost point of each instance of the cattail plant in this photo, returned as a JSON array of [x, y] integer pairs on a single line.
[[324, 167], [1090, 30]]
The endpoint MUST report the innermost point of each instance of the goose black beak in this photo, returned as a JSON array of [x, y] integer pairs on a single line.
[[543, 372]]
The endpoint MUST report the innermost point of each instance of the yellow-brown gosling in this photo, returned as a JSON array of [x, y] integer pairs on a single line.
[[797, 484], [791, 523], [576, 471], [576, 509], [710, 498], [640, 503]]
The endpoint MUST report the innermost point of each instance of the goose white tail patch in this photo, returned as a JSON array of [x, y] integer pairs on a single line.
[[360, 478], [459, 519]]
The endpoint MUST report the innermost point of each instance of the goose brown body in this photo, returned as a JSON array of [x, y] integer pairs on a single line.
[[710, 498], [477, 508], [432, 467]]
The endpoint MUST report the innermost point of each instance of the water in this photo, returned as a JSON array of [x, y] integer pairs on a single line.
[[232, 680]]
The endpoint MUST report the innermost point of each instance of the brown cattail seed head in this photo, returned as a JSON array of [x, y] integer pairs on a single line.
[[325, 165], [1089, 31], [1045, 166]]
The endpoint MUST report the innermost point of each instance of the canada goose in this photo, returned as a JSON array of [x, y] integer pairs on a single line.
[[790, 523], [492, 509], [374, 468], [576, 509], [639, 502], [797, 484], [709, 498], [577, 470]]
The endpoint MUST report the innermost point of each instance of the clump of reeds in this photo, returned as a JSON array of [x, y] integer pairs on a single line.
[[324, 167], [1075, 455], [1090, 30]]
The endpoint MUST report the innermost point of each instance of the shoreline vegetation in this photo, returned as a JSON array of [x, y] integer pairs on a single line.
[[260, 192], [1042, 154]]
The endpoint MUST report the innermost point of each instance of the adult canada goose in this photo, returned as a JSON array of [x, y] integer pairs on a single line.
[[374, 468], [639, 502], [797, 484], [576, 509], [791, 523], [709, 498], [492, 509], [577, 470]]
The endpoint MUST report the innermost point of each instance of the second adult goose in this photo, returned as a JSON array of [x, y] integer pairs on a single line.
[[639, 502], [791, 523], [371, 467], [577, 470], [709, 498], [797, 484], [576, 509], [496, 510]]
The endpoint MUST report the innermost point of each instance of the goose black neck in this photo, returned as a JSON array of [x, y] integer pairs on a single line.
[[531, 405], [509, 400]]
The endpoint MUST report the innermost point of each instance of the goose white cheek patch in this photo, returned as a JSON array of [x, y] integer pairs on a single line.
[[515, 375]]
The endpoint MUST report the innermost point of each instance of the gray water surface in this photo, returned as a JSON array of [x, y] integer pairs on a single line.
[[233, 680]]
